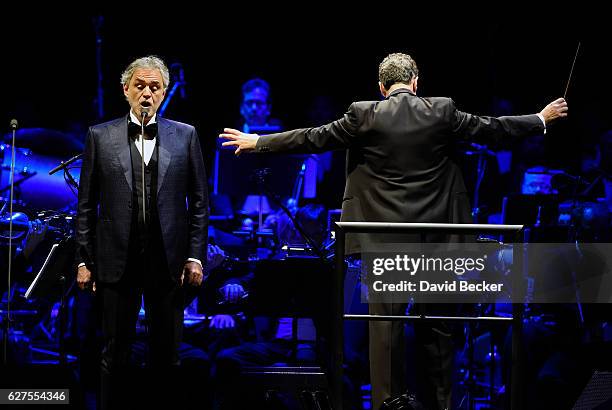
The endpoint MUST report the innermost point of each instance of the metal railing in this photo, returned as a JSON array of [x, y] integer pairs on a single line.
[[338, 314]]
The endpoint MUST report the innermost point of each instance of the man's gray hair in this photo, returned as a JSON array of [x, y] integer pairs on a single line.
[[151, 62], [397, 68]]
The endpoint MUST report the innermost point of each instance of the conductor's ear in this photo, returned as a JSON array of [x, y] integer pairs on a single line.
[[382, 89], [416, 84]]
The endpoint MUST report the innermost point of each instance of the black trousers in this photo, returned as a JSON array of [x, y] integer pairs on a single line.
[[146, 274], [388, 358]]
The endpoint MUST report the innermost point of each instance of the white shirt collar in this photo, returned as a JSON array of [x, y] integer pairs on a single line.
[[135, 119]]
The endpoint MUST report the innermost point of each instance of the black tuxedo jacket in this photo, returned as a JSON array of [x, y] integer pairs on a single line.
[[105, 198], [399, 166]]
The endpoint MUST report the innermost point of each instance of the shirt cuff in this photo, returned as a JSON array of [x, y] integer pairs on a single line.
[[541, 117], [80, 264], [199, 262]]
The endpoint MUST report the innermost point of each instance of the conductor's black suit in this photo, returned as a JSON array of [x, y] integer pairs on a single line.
[[400, 169]]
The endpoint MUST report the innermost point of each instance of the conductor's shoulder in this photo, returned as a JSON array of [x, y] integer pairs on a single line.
[[362, 106], [439, 101], [440, 105]]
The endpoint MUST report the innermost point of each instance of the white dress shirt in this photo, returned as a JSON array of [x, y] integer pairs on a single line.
[[149, 144]]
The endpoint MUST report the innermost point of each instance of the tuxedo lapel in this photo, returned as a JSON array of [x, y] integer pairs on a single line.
[[118, 131], [165, 143]]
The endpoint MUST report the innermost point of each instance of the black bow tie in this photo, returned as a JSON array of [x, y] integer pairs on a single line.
[[135, 129]]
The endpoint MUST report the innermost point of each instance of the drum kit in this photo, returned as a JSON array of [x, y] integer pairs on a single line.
[[35, 218], [43, 198]]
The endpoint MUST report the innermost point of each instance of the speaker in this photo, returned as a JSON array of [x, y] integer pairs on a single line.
[[597, 394]]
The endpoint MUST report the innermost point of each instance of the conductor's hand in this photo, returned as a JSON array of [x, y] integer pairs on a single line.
[[243, 142], [192, 273], [84, 279], [555, 110]]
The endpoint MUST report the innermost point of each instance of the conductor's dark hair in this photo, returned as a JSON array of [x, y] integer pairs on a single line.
[[397, 68]]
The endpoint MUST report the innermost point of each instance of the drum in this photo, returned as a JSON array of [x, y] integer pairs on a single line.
[[34, 187]]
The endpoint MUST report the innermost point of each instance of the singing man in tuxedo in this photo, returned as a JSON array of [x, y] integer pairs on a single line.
[[399, 169], [130, 244]]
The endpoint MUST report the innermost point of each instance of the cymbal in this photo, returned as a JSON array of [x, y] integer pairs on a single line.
[[46, 141]]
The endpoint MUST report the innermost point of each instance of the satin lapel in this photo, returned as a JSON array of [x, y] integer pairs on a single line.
[[165, 140], [119, 136]]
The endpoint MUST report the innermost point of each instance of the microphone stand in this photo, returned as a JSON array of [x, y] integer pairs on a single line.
[[144, 114], [67, 175], [64, 164], [7, 319]]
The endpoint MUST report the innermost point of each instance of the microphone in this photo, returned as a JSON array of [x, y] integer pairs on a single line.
[[14, 124], [64, 164]]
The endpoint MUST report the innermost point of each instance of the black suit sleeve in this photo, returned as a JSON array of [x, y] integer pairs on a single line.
[[472, 126], [339, 134], [198, 201], [87, 210]]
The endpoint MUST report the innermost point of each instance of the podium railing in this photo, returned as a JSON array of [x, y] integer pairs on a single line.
[[338, 314]]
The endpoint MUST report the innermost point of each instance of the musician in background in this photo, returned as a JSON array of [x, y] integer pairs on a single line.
[[538, 181], [233, 194], [256, 107], [221, 299]]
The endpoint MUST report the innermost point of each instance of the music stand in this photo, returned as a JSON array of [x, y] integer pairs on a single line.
[[53, 279], [231, 174], [292, 287]]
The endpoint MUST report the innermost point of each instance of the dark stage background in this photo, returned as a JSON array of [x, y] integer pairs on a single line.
[[495, 65], [50, 72]]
